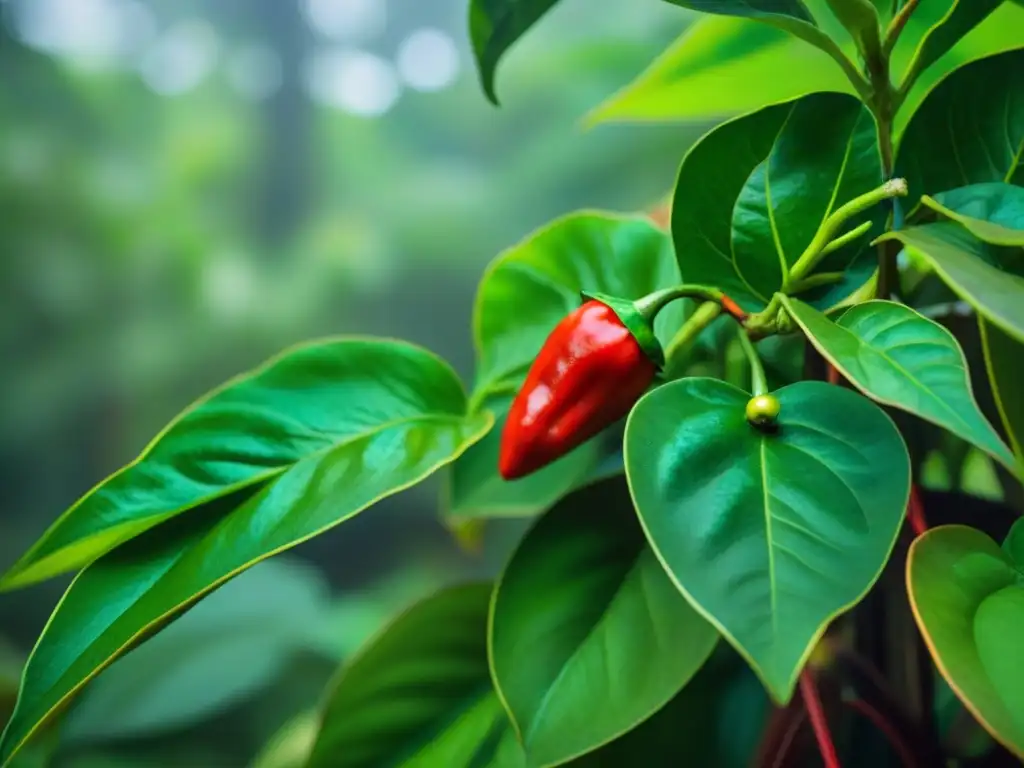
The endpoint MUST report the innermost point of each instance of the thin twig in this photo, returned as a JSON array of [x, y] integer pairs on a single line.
[[892, 35], [816, 713], [915, 512]]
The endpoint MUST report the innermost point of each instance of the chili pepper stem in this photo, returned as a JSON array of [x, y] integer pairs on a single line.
[[759, 382], [649, 306]]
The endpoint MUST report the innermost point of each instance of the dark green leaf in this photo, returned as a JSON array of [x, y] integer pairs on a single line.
[[769, 535], [230, 645], [967, 594], [947, 25], [413, 416], [992, 212], [752, 194], [419, 694], [1004, 359], [589, 636], [987, 277], [969, 130], [494, 26], [525, 293], [295, 408], [900, 358]]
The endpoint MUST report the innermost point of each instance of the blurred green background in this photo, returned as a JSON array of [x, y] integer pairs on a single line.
[[187, 187]]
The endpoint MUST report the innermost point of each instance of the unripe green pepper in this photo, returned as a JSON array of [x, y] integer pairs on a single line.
[[590, 372]]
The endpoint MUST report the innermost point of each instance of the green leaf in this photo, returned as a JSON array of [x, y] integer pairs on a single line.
[[494, 26], [946, 27], [255, 428], [230, 645], [413, 417], [769, 535], [983, 275], [419, 694], [475, 489], [589, 637], [993, 212], [524, 294], [860, 18], [900, 358], [1004, 360], [752, 194], [967, 595], [969, 130], [293, 743]]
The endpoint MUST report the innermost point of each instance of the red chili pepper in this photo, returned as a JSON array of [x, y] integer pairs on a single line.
[[588, 375]]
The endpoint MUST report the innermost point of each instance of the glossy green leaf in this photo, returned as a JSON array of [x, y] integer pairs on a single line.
[[589, 637], [947, 24], [791, 16], [1004, 360], [900, 358], [229, 646], [419, 694], [293, 743], [525, 292], [967, 594], [969, 130], [753, 192], [296, 407], [983, 275], [494, 26], [722, 65], [414, 422], [770, 536], [992, 212]]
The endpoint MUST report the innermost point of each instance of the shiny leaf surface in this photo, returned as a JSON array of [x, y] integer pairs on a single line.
[[133, 591], [969, 130], [983, 275], [753, 192], [494, 26], [992, 212], [589, 636], [419, 694], [769, 535], [255, 428], [967, 594], [900, 358]]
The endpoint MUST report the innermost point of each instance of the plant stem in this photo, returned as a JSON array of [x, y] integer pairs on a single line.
[[892, 34], [815, 251], [915, 512], [891, 734], [816, 713], [692, 328], [759, 381], [649, 306]]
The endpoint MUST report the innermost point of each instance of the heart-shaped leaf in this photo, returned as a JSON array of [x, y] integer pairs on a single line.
[[900, 358], [752, 194], [419, 694], [412, 411], [526, 291], [589, 636], [769, 535], [992, 212], [229, 646], [982, 129], [1004, 359], [987, 277], [967, 595], [494, 26], [298, 406], [946, 28]]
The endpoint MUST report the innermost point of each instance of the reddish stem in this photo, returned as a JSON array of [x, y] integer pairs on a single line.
[[816, 713], [832, 374], [915, 512], [878, 720], [732, 308]]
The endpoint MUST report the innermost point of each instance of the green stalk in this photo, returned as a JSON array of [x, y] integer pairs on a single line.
[[692, 328], [758, 379], [649, 306]]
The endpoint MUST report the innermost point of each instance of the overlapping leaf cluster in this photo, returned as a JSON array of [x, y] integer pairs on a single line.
[[682, 555]]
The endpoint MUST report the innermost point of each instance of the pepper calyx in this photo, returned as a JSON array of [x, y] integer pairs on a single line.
[[634, 321]]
